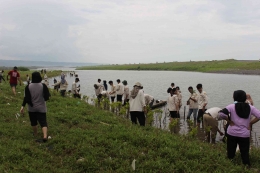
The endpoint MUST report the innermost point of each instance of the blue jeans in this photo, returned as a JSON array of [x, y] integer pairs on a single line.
[[194, 111]]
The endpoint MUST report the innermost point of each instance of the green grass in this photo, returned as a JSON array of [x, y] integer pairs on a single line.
[[88, 139], [198, 66]]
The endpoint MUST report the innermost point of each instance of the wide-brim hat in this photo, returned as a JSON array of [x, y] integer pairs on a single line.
[[138, 84]]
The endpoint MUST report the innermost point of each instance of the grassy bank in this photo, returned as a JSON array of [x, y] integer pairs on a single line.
[[87, 139], [198, 66]]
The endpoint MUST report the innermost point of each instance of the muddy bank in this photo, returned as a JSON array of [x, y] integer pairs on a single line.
[[243, 72]]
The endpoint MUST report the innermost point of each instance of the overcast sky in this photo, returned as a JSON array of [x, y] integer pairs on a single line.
[[129, 31]]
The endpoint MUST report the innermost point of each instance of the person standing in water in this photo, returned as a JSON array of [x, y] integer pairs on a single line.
[[119, 91], [193, 104], [36, 95], [202, 102], [112, 92]]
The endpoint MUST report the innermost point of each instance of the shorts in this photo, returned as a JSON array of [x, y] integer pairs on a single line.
[[174, 114], [38, 117], [13, 85]]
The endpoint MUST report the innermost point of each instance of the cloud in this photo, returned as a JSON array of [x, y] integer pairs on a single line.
[[118, 31]]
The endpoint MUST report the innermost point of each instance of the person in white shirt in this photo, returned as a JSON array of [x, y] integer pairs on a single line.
[[210, 121], [119, 91], [100, 84], [74, 89], [193, 104], [148, 100], [98, 90], [202, 102], [137, 105], [179, 95], [126, 92], [63, 84], [173, 103], [112, 92]]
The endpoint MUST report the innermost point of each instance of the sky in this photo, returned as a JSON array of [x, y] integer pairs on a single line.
[[129, 31]]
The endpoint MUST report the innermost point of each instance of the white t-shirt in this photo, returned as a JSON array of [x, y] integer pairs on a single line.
[[213, 112], [202, 99], [172, 102], [138, 102], [120, 89], [126, 92]]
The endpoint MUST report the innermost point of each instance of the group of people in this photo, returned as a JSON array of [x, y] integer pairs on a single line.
[[137, 99], [238, 115]]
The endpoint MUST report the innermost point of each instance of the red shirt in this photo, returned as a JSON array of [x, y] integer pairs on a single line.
[[13, 76]]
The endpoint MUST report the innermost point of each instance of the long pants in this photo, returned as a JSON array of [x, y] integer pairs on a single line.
[[194, 111], [243, 143], [62, 92], [210, 124], [137, 115], [119, 98], [200, 115]]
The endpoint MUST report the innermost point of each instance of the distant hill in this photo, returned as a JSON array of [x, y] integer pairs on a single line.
[[11, 63]]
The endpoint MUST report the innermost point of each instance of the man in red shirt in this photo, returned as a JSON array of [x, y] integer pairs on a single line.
[[14, 77]]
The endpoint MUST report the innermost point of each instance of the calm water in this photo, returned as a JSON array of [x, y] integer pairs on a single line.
[[219, 87]]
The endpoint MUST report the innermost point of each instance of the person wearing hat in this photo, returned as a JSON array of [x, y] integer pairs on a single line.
[[126, 92], [74, 89], [63, 85], [119, 91], [14, 77], [112, 92], [137, 105], [238, 117], [36, 95]]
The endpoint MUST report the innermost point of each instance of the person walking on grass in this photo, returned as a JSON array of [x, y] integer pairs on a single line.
[[119, 91], [74, 89], [137, 105], [202, 103], [36, 95], [193, 104], [2, 76], [63, 85], [238, 117], [210, 121], [14, 77], [28, 79], [112, 92]]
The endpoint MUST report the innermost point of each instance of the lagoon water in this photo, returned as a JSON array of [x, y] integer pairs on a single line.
[[219, 87]]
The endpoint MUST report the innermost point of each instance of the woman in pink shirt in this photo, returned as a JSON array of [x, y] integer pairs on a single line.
[[238, 131]]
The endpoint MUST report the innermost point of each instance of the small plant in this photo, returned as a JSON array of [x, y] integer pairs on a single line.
[[173, 124]]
